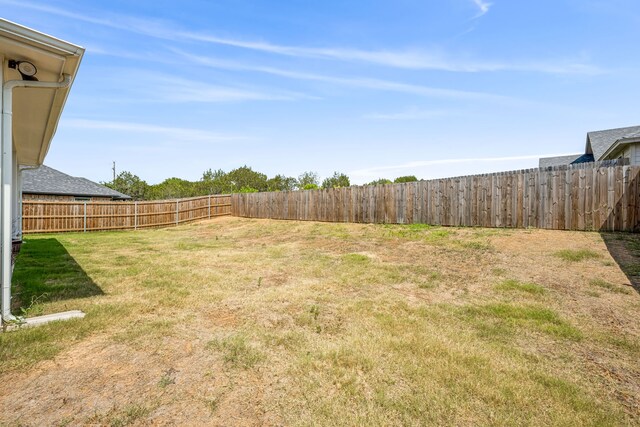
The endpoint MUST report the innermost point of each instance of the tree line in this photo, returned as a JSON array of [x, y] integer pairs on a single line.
[[240, 180]]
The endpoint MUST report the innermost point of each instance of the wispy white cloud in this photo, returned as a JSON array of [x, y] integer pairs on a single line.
[[417, 59], [184, 90], [407, 58], [150, 27], [175, 133], [358, 82], [483, 7], [414, 59], [150, 86]]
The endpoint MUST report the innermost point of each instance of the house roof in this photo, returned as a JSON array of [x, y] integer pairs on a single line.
[[46, 180], [546, 162], [36, 111], [600, 142]]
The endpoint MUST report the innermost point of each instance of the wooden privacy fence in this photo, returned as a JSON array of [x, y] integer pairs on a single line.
[[601, 196], [50, 217]]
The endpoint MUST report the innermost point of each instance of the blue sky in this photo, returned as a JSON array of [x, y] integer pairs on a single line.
[[370, 88]]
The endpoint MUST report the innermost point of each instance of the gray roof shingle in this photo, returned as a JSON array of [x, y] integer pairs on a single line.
[[600, 141], [46, 180], [546, 162]]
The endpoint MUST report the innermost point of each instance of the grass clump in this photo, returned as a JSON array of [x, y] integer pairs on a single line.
[[348, 359], [608, 286], [431, 280], [496, 271], [575, 255], [409, 230], [213, 404], [311, 319], [574, 397], [168, 378], [501, 319], [427, 232], [476, 245], [117, 417], [437, 236], [356, 258], [515, 285], [236, 351]]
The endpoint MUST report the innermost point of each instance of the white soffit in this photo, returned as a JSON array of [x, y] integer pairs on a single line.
[[36, 112]]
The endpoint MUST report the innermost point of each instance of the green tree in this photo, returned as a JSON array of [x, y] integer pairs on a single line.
[[214, 182], [407, 178], [380, 181], [129, 184], [247, 177], [338, 180], [172, 188], [281, 183], [247, 190], [308, 179]]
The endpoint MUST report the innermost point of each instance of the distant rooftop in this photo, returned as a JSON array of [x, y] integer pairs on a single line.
[[546, 162], [599, 142], [46, 180]]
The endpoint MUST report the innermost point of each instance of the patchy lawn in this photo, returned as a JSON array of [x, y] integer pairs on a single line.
[[259, 322]]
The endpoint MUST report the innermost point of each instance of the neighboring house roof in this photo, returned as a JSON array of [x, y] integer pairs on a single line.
[[600, 142], [600, 145], [46, 180], [546, 162]]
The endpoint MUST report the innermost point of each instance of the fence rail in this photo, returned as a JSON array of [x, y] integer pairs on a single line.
[[601, 196], [54, 217]]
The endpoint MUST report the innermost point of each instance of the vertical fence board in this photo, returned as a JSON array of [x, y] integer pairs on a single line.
[[53, 216], [601, 196]]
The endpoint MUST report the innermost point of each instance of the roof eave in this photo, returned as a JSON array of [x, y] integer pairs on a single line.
[[56, 193], [617, 145], [25, 42], [39, 39], [587, 148]]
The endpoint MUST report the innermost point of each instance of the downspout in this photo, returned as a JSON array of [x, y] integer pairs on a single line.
[[21, 168], [15, 188], [7, 174]]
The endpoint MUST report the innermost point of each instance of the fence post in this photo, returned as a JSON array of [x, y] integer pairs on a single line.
[[177, 210], [135, 215], [85, 217], [209, 206]]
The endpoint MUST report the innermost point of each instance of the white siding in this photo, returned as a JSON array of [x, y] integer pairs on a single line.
[[631, 152]]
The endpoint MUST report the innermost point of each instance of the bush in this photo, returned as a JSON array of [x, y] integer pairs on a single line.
[[338, 180], [408, 178], [307, 179], [381, 181]]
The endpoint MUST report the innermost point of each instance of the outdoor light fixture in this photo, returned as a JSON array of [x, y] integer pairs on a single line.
[[26, 69]]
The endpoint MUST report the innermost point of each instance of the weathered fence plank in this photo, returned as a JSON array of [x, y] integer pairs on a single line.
[[600, 196], [55, 217]]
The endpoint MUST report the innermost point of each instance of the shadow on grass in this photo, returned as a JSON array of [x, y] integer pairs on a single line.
[[625, 250], [44, 271]]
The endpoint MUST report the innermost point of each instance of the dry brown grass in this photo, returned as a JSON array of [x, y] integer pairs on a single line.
[[259, 322]]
